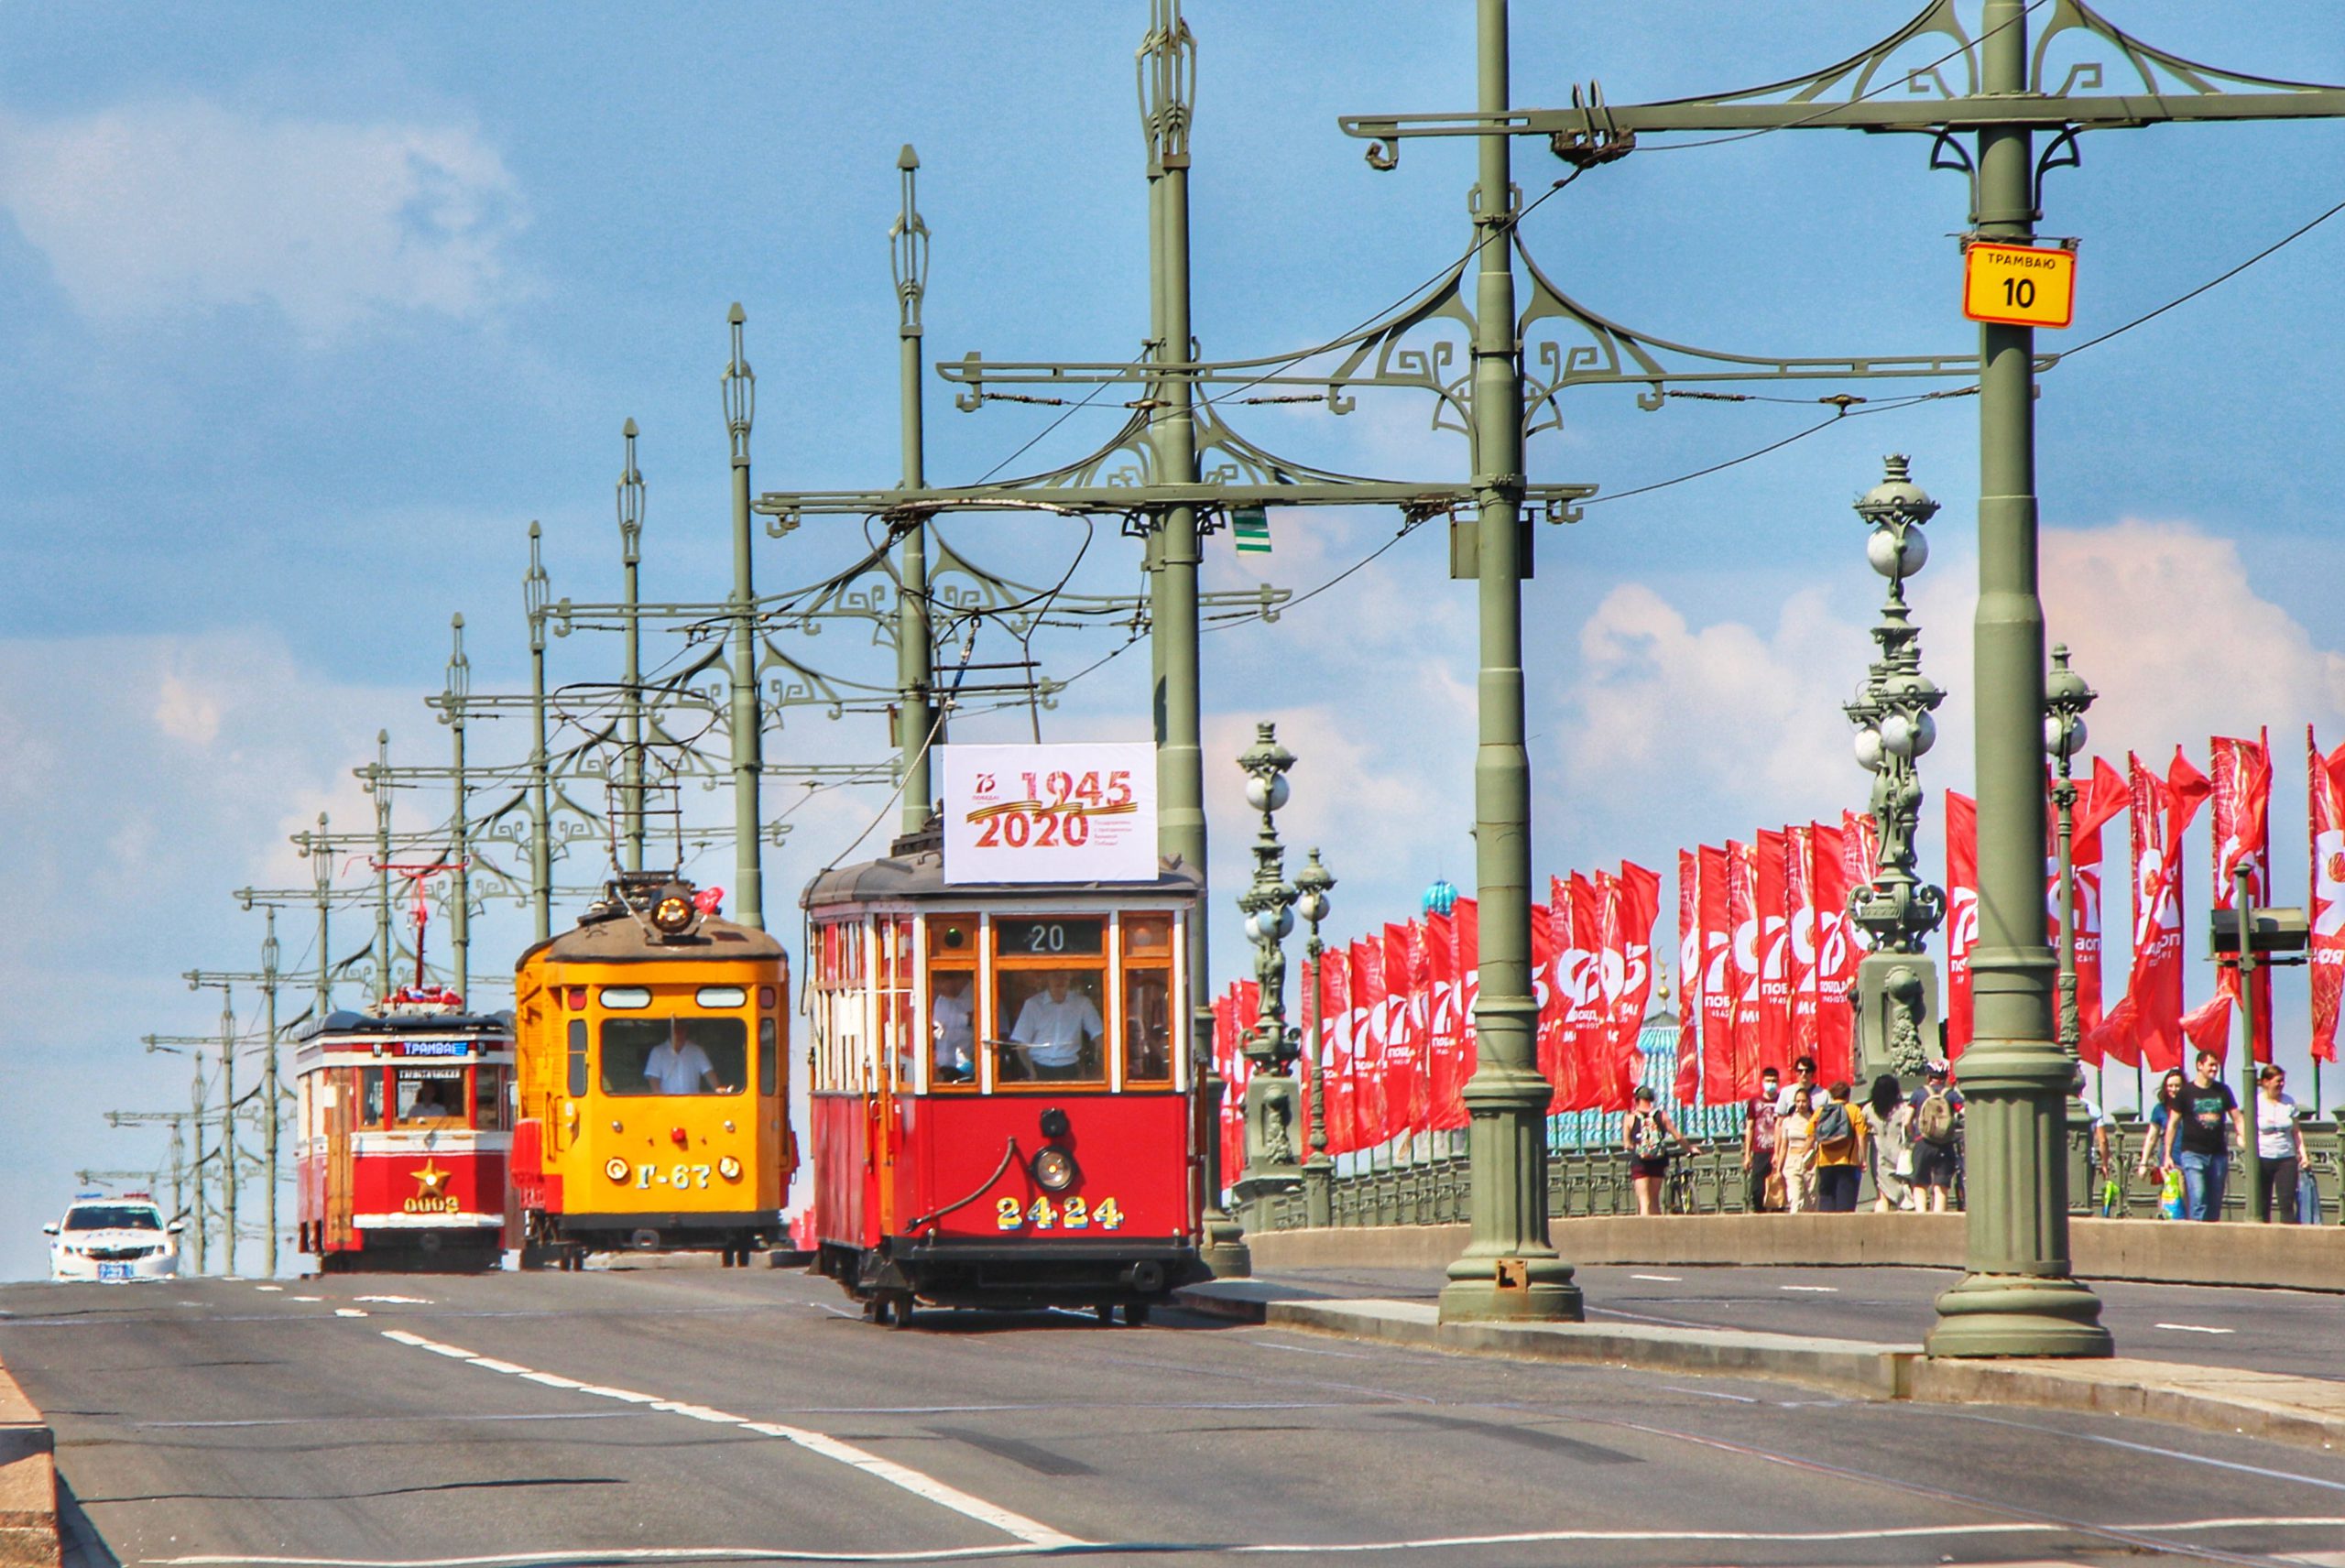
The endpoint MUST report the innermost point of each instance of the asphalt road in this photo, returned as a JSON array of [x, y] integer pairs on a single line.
[[2294, 1332], [699, 1415]]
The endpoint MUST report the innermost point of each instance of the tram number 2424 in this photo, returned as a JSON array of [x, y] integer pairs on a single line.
[[1072, 1214]]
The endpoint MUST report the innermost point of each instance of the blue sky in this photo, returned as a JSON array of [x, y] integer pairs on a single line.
[[305, 319]]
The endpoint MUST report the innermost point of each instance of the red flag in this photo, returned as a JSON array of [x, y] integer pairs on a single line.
[[2209, 1026], [1335, 1048], [1371, 1108], [1837, 953], [2242, 797], [1587, 1074], [1230, 1131], [1404, 1091], [1467, 915], [1689, 979], [1961, 915], [2098, 799], [1632, 902], [1799, 902], [1722, 1064], [1544, 942], [1742, 920], [1445, 1032], [2150, 1018], [1775, 1042], [2326, 781]]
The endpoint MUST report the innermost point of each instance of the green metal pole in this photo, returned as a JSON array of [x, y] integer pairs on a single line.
[[2018, 1297], [916, 727], [535, 589], [747, 716], [1508, 1269], [203, 1213], [2250, 1159], [270, 1087], [380, 784], [460, 921], [179, 1186], [229, 1184], [322, 879], [631, 493], [1167, 61]]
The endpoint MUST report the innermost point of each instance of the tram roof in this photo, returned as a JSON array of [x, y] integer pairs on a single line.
[[918, 876], [618, 939], [344, 1021]]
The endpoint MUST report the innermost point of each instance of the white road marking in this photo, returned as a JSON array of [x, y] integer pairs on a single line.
[[1813, 1290], [1310, 1350], [394, 1301], [350, 1312], [1708, 1394], [2161, 1452], [297, 1298], [2193, 1328], [1661, 1279], [1449, 1543], [921, 1485], [268, 1287]]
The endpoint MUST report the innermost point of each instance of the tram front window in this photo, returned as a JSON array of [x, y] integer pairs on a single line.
[[431, 1097], [674, 1056], [1057, 1032]]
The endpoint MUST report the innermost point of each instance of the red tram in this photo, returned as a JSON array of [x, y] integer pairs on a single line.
[[403, 1116], [1001, 1103]]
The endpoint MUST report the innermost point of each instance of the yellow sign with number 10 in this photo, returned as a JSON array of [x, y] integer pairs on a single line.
[[2019, 285]]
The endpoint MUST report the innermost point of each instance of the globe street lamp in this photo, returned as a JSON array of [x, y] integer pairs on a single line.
[[2065, 698], [1312, 886], [1896, 985], [1270, 1046]]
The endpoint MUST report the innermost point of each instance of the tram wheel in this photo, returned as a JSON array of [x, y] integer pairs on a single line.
[[1136, 1315]]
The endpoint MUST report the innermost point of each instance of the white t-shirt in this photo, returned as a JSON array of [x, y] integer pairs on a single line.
[[1055, 1031], [670, 1070], [2275, 1136], [956, 1030]]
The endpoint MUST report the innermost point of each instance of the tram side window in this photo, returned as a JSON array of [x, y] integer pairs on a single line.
[[674, 1056], [1148, 999], [370, 1096], [488, 1098], [578, 1079], [768, 1057], [431, 1097], [953, 1001]]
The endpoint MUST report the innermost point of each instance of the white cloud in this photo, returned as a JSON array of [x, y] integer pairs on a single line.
[[151, 209]]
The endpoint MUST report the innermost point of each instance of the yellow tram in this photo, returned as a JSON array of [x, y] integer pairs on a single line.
[[651, 1054]]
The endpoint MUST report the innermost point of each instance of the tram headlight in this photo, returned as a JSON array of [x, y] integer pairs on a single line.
[[615, 1169], [729, 1168], [1054, 1170], [672, 913]]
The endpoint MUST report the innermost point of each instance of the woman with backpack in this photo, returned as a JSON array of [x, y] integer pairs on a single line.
[[1936, 1125], [1892, 1147], [1840, 1138], [1648, 1134]]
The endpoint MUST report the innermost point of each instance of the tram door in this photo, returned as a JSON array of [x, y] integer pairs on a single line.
[[342, 1117]]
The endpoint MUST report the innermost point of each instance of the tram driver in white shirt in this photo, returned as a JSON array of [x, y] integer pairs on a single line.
[[1052, 1027], [679, 1066]]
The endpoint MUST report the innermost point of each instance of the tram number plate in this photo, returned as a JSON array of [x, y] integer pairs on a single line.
[[1075, 1214], [680, 1176]]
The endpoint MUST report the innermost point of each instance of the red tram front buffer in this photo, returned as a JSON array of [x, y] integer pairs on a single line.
[[405, 1121], [1002, 1109]]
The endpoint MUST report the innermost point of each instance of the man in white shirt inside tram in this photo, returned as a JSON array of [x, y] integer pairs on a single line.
[[1052, 1026], [952, 1013], [679, 1066]]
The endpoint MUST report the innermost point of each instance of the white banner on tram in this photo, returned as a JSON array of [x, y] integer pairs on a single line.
[[1083, 812]]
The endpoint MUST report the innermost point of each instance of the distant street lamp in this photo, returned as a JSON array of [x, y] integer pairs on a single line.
[[2065, 698], [1312, 886], [1270, 1046], [1896, 985]]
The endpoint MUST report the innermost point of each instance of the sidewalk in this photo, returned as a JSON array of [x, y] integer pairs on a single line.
[[2305, 1411]]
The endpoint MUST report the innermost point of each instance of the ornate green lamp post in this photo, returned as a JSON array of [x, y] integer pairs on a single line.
[[2065, 698], [1270, 1047], [1312, 886], [1896, 984]]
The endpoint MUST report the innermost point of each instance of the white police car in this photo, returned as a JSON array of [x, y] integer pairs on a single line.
[[113, 1238]]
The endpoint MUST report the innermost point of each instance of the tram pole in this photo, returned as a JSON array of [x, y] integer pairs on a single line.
[[452, 714], [1168, 68], [536, 588], [271, 1086], [630, 508], [748, 713], [377, 783], [917, 725]]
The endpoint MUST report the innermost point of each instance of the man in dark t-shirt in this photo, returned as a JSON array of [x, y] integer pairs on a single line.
[[2199, 1138]]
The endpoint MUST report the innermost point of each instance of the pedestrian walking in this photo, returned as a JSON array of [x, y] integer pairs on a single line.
[[2200, 1136], [1803, 1077], [1840, 1151], [2101, 1135], [1648, 1132], [1758, 1121], [1795, 1151], [2279, 1146], [2149, 1165], [1890, 1151], [1936, 1125]]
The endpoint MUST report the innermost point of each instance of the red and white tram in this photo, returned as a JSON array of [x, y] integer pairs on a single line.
[[405, 1126], [1002, 1112]]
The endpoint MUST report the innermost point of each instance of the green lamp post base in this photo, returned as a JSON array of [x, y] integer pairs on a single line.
[[1512, 1290], [1222, 1248], [2019, 1314], [1510, 1272]]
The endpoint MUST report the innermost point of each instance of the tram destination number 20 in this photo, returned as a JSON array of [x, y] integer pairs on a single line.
[[1075, 1213], [1057, 810]]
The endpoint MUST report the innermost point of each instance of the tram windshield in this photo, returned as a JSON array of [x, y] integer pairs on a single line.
[[431, 1097], [674, 1056], [1057, 1028]]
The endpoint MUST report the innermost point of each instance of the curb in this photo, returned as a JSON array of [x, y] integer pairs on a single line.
[[2302, 1412], [28, 1537]]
